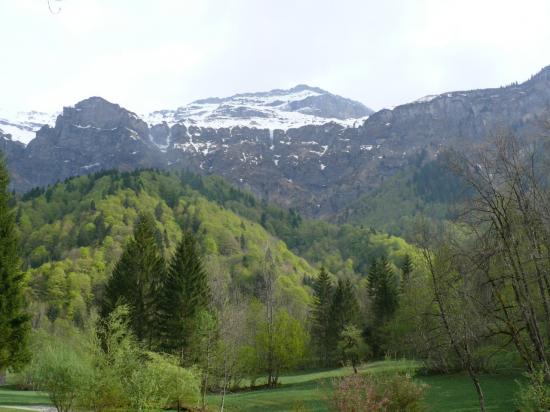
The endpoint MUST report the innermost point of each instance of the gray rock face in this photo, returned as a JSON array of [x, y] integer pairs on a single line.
[[91, 136], [468, 115], [317, 168]]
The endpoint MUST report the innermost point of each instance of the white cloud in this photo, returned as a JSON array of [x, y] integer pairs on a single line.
[[154, 54]]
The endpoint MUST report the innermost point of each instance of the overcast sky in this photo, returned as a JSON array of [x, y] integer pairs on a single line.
[[153, 54]]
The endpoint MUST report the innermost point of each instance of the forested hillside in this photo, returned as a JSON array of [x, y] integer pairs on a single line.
[[188, 271], [73, 233], [426, 188]]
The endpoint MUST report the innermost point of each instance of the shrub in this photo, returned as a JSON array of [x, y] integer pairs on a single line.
[[108, 370], [535, 396], [391, 393], [404, 394], [356, 393], [62, 373]]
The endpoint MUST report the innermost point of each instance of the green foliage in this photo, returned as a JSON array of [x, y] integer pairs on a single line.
[[137, 279], [321, 316], [404, 393], [183, 295], [63, 373], [107, 369], [407, 268], [535, 395], [178, 386], [383, 290], [344, 309], [63, 231], [14, 321], [286, 345], [352, 347], [78, 232], [428, 190]]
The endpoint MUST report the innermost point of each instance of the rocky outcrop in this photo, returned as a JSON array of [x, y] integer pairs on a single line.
[[93, 135]]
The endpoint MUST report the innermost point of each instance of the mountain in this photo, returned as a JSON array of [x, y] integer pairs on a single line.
[[22, 126], [92, 135], [277, 109], [321, 169]]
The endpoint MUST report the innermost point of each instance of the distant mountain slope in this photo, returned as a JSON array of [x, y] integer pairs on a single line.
[[319, 169], [277, 109], [471, 115]]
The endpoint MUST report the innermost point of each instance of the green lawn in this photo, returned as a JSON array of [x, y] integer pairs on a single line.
[[9, 396], [446, 393], [456, 392], [309, 391]]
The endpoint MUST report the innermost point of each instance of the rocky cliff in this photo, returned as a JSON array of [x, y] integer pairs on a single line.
[[318, 168]]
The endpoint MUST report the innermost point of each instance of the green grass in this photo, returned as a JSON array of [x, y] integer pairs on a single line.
[[10, 396], [310, 391], [456, 392], [3, 409]]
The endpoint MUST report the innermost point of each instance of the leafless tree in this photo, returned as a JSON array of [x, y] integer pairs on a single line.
[[508, 219], [452, 290]]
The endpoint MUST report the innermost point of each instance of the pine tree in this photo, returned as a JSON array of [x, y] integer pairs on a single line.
[[344, 310], [384, 293], [383, 289], [136, 280], [406, 269], [322, 295], [184, 295], [14, 321]]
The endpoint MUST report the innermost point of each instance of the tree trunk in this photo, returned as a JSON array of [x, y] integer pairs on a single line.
[[2, 377], [477, 385]]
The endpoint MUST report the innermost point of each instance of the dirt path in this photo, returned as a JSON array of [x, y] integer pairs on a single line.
[[36, 408]]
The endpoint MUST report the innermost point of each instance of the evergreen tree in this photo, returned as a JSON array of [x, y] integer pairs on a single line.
[[136, 280], [344, 310], [14, 322], [406, 269], [383, 290], [322, 302], [185, 294], [384, 293]]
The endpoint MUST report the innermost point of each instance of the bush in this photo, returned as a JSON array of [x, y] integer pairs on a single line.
[[392, 393], [404, 394], [358, 393], [535, 396], [61, 372], [108, 370]]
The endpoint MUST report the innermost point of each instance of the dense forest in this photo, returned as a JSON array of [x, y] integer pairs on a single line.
[[157, 288]]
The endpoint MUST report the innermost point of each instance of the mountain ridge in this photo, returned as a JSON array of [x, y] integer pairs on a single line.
[[319, 169]]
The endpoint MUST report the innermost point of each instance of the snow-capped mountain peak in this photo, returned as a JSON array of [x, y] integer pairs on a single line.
[[276, 109], [282, 109], [22, 126]]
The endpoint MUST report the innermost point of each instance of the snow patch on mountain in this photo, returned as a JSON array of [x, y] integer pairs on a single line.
[[276, 109], [22, 126]]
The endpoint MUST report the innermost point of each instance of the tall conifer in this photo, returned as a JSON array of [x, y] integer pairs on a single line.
[[344, 309], [383, 290], [137, 278], [184, 295], [14, 321], [322, 295]]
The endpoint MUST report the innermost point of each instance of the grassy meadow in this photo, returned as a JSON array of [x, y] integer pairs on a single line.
[[311, 392]]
